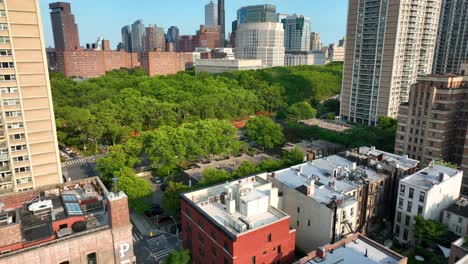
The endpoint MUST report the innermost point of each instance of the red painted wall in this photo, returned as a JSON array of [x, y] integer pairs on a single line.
[[69, 221], [206, 241]]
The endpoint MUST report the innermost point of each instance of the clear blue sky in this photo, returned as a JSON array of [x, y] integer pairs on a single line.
[[106, 17]]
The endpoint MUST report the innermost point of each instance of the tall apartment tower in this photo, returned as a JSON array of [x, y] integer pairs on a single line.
[[296, 33], [211, 14], [221, 22], [259, 35], [29, 156], [389, 44], [173, 36], [452, 38], [127, 38], [138, 36], [155, 38], [315, 42], [64, 28]]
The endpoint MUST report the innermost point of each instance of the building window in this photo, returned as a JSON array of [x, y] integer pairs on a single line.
[[269, 237], [8, 90], [4, 39], [92, 259], [2, 13], [409, 206], [422, 196], [225, 261], [24, 180], [17, 136], [226, 246], [398, 218], [297, 223], [420, 210], [18, 148], [279, 249], [65, 262], [213, 251], [22, 169], [3, 26], [213, 235], [253, 260], [5, 52], [13, 113], [407, 220], [405, 234], [298, 209], [400, 203], [397, 230], [8, 77], [7, 102], [460, 219], [402, 188], [308, 222], [7, 65], [411, 193], [448, 215]]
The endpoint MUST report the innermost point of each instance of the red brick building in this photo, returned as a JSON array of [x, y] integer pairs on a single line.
[[64, 27], [208, 36], [187, 43], [237, 222], [164, 63], [76, 222]]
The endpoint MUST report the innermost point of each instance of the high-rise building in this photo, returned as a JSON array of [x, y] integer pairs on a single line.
[[127, 38], [336, 52], [138, 36], [221, 22], [208, 37], [452, 38], [29, 154], [259, 36], [155, 38], [296, 33], [64, 28], [173, 36], [257, 14], [389, 44], [315, 42], [434, 124], [211, 14]]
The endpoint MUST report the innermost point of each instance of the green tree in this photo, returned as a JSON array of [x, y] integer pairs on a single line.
[[171, 201], [386, 122], [212, 176], [429, 231], [292, 157], [264, 132], [244, 169], [300, 111], [447, 164], [116, 159], [178, 257], [137, 189]]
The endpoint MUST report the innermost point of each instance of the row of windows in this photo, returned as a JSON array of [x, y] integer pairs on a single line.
[[422, 195], [8, 90], [19, 147], [7, 102], [7, 77], [15, 125], [5, 52]]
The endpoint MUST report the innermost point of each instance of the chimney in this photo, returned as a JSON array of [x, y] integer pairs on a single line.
[[372, 148], [105, 44], [321, 252], [311, 187]]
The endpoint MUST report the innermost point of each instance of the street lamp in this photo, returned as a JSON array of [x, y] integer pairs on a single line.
[[176, 229]]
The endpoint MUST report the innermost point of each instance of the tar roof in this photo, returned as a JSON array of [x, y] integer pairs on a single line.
[[403, 161], [426, 178], [460, 207]]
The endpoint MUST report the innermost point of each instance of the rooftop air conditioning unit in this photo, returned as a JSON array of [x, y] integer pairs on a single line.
[[41, 207]]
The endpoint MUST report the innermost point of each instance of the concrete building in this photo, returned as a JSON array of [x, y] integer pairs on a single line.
[[390, 43], [236, 222], [433, 125], [51, 59], [127, 38], [452, 37], [223, 65], [315, 42], [138, 36], [232, 36], [426, 193], [295, 58], [257, 14], [64, 28], [264, 41], [29, 156], [336, 52], [351, 250], [208, 37], [315, 149], [296, 33], [165, 63], [455, 217], [173, 37], [211, 14], [221, 22], [459, 252], [75, 222], [155, 38]]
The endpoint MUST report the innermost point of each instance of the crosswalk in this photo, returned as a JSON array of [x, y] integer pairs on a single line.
[[136, 237], [81, 160], [160, 246]]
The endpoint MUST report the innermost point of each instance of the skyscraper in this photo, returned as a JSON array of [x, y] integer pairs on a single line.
[[138, 36], [296, 33], [221, 23], [211, 14], [452, 38], [315, 42], [259, 36], [64, 28], [389, 44], [127, 38], [155, 38], [29, 154], [173, 36]]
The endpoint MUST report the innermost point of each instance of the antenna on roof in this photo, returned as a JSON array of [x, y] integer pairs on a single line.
[[116, 191]]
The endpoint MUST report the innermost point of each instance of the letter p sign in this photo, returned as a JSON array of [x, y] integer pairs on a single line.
[[123, 249]]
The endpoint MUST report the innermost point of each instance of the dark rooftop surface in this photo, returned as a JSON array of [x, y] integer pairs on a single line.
[[460, 207]]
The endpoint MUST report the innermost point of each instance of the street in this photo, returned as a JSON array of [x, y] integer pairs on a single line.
[[153, 249]]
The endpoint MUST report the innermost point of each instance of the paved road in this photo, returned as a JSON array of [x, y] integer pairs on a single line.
[[153, 249]]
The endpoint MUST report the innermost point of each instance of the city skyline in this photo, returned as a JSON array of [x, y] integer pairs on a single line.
[[331, 23]]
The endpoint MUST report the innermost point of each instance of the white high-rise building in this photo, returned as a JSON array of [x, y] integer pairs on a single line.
[[264, 40], [389, 43], [296, 33], [211, 14], [315, 42]]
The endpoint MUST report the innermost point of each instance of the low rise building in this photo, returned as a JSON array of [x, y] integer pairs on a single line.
[[295, 58], [459, 251], [76, 222], [336, 52], [164, 63], [426, 193], [351, 250], [237, 222], [315, 149], [455, 217], [223, 65]]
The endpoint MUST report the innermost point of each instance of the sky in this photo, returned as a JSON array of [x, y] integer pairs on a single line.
[[106, 17]]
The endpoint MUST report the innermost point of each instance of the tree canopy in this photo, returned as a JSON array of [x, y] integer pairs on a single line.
[[178, 257], [264, 131]]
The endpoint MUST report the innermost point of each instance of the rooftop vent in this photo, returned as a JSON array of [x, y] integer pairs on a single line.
[[41, 207]]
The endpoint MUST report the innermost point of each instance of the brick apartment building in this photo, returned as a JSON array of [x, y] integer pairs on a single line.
[[207, 36], [237, 222], [164, 63], [433, 125], [75, 222]]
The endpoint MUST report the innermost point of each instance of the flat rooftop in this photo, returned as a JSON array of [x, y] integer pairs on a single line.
[[460, 207], [254, 202], [401, 161], [314, 144], [429, 176], [326, 124]]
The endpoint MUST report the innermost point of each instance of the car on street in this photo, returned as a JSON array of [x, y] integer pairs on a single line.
[[156, 180]]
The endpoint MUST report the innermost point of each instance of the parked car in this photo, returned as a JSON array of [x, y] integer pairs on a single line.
[[156, 180], [73, 155]]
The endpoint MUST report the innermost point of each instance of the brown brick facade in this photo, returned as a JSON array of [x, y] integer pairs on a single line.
[[164, 63]]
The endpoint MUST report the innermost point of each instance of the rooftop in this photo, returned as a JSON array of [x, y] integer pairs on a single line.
[[460, 207], [326, 124], [429, 176], [238, 206], [402, 162], [314, 144], [355, 249]]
